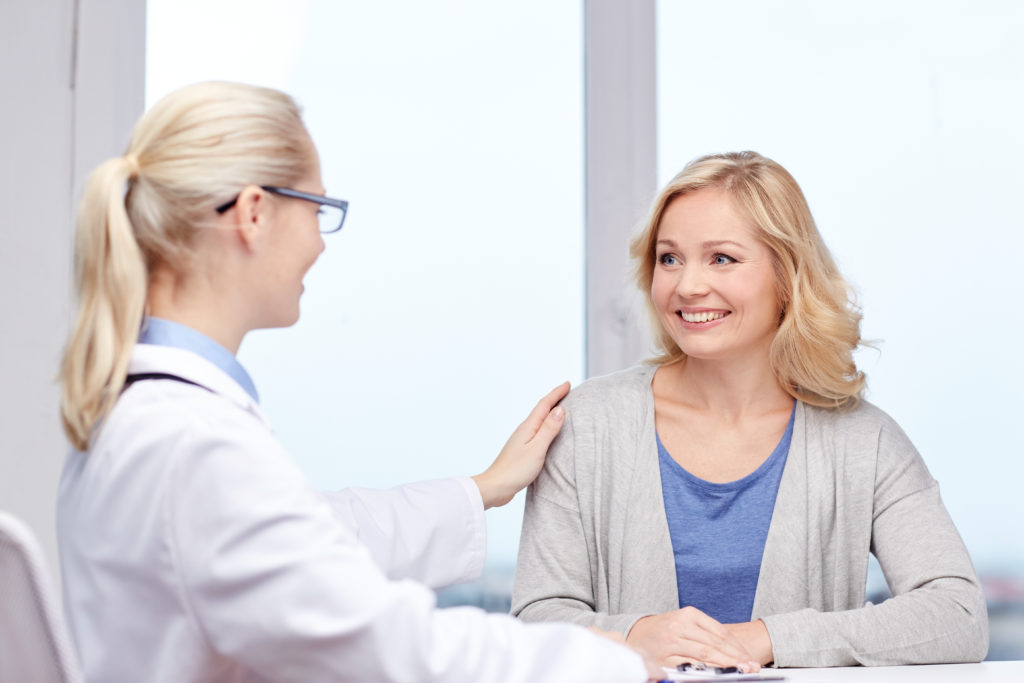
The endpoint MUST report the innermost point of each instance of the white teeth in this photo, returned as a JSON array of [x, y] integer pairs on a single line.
[[703, 317]]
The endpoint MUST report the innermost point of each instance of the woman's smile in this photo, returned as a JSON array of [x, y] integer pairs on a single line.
[[701, 319]]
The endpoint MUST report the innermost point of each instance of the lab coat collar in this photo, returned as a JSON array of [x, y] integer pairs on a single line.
[[193, 367]]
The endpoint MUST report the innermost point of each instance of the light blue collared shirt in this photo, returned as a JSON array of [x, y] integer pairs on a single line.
[[168, 333]]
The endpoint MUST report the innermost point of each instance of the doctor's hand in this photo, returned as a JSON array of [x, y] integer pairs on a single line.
[[521, 459], [689, 635], [654, 672]]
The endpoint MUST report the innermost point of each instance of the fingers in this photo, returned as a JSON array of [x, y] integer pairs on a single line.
[[653, 670], [689, 635], [546, 417], [610, 635], [522, 458], [548, 429], [718, 636], [554, 396], [709, 624], [713, 648]]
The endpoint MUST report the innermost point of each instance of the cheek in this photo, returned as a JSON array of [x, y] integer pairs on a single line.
[[764, 294], [314, 245], [661, 289]]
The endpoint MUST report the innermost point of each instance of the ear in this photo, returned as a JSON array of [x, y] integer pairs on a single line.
[[252, 216]]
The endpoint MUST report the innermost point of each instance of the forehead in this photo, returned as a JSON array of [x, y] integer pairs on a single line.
[[709, 214]]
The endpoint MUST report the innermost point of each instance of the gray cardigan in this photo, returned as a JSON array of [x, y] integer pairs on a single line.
[[595, 548]]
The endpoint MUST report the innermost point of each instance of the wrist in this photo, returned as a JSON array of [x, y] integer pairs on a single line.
[[761, 643], [488, 493], [753, 636]]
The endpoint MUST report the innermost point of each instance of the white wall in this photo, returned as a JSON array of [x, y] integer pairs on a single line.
[[68, 104]]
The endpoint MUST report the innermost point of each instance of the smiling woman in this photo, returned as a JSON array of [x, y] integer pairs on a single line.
[[761, 205], [721, 503], [710, 302]]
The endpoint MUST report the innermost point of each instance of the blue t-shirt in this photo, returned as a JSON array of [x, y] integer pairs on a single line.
[[719, 530]]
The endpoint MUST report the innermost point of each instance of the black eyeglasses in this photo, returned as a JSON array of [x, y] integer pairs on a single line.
[[332, 211]]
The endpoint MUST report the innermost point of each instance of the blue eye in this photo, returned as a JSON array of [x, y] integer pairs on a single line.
[[723, 259], [667, 260]]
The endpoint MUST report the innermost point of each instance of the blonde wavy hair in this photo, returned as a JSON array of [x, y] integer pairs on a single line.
[[812, 352], [195, 149]]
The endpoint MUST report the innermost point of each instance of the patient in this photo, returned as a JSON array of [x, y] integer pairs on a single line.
[[720, 503]]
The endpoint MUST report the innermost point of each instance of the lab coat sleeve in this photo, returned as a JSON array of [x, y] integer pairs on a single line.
[[273, 581], [432, 531]]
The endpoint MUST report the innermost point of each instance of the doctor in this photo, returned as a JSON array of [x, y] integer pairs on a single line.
[[192, 547]]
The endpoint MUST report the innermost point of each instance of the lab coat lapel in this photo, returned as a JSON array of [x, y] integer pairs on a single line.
[[193, 367]]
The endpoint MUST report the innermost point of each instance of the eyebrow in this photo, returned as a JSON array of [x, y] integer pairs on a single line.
[[710, 244], [718, 243]]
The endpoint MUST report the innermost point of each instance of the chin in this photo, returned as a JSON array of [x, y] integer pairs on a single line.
[[282, 319], [705, 351]]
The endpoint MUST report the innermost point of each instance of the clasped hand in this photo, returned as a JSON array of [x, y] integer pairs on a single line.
[[689, 635]]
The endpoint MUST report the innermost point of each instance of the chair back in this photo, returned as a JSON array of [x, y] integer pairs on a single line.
[[34, 646]]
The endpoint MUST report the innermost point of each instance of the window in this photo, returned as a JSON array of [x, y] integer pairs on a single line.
[[452, 300]]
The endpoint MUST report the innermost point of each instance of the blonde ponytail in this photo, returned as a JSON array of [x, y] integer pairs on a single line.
[[110, 277], [194, 150]]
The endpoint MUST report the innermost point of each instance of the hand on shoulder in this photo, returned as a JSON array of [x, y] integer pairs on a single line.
[[522, 458]]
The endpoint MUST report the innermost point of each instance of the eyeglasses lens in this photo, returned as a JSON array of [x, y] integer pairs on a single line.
[[330, 218]]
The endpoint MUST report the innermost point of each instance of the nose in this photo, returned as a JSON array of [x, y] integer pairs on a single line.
[[692, 281]]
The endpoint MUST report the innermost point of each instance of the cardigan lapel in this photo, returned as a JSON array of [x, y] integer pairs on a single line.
[[648, 558], [783, 582]]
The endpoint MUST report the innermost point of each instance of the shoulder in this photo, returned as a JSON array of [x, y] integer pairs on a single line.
[[607, 418], [172, 425], [863, 413], [863, 420], [866, 432], [616, 394], [167, 405]]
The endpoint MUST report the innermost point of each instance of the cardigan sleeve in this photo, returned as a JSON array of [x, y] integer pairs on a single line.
[[937, 613], [557, 565]]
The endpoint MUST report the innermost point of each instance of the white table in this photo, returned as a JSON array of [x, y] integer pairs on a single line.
[[985, 672]]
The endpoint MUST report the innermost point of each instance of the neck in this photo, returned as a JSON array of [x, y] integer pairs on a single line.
[[734, 388], [196, 304]]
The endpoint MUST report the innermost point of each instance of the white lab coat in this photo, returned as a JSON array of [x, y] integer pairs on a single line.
[[194, 550]]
